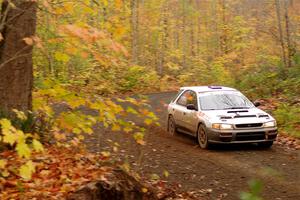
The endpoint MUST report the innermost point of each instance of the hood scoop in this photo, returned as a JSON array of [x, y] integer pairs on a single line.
[[237, 116], [237, 111], [225, 117], [262, 116]]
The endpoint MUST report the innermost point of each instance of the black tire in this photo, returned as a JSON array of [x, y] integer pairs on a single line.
[[265, 145], [172, 130], [202, 137]]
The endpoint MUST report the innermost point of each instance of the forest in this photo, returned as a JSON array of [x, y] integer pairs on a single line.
[[70, 69]]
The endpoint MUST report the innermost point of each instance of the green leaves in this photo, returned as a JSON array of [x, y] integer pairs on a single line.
[[255, 190]]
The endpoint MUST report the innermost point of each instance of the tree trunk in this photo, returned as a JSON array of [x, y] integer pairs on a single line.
[[223, 37], [16, 71], [184, 35], [277, 3], [135, 31], [288, 35], [198, 36], [164, 41]]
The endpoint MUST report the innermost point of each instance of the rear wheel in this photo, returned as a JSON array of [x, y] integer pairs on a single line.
[[202, 137], [171, 126], [265, 145]]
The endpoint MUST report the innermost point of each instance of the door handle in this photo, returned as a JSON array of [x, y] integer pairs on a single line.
[[184, 113]]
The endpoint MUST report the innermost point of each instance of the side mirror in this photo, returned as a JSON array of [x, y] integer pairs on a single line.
[[256, 103], [191, 107]]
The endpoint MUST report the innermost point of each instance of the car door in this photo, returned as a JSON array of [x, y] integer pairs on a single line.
[[179, 109], [190, 119]]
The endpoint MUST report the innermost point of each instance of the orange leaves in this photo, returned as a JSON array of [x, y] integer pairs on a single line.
[[91, 41], [57, 172], [88, 35]]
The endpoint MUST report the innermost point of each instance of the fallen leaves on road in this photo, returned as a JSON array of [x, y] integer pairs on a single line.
[[59, 171], [288, 142]]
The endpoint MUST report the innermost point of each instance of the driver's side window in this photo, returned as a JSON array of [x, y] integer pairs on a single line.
[[183, 99], [188, 97]]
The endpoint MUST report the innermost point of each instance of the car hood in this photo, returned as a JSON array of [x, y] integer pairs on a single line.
[[252, 115]]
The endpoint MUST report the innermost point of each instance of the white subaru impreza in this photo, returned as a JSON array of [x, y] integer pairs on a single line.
[[217, 114]]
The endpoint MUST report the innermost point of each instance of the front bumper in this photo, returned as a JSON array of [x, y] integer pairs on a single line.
[[255, 135]]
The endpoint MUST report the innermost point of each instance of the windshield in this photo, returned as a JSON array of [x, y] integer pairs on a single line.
[[223, 100]]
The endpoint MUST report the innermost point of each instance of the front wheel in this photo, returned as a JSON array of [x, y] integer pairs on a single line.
[[202, 137], [171, 126]]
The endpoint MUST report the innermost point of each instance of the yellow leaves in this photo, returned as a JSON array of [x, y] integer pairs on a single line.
[[105, 2], [37, 146], [10, 138], [8, 131], [27, 170], [88, 10], [148, 121], [120, 31], [166, 173], [139, 138], [3, 164], [116, 127], [127, 129], [105, 154], [144, 190], [76, 102], [59, 56], [5, 124], [16, 137], [118, 4], [71, 50], [131, 110], [68, 7], [23, 150], [20, 115]]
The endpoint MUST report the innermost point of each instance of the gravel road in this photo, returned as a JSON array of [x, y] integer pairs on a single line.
[[223, 171]]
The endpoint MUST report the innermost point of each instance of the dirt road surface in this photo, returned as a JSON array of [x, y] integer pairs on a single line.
[[224, 171]]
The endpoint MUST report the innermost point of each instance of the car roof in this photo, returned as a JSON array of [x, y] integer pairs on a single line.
[[208, 88]]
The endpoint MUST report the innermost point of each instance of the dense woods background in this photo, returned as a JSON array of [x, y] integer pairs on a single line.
[[84, 53], [112, 46]]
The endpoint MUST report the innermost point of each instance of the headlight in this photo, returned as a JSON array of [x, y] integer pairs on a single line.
[[270, 124], [222, 126]]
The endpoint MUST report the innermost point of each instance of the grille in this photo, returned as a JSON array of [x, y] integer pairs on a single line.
[[250, 136], [244, 116], [255, 125]]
